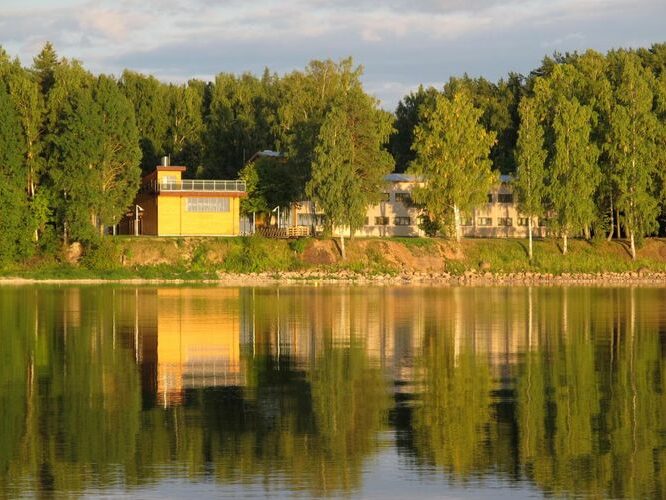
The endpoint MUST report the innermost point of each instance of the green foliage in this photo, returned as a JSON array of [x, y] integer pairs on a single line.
[[452, 158], [255, 254], [530, 161], [574, 174], [102, 255], [299, 244], [633, 146], [269, 183], [350, 162], [16, 220]]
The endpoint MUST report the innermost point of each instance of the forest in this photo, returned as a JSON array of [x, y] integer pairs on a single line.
[[584, 136]]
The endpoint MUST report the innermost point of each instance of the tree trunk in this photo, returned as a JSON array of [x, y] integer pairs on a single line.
[[456, 223], [342, 246], [617, 221], [529, 232], [612, 221], [564, 242], [633, 244]]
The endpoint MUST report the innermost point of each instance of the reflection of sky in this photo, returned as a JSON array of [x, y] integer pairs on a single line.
[[400, 43], [386, 476]]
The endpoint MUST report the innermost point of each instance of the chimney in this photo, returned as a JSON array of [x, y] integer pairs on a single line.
[[165, 161]]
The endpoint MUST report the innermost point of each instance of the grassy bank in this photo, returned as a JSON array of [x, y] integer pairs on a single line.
[[205, 258]]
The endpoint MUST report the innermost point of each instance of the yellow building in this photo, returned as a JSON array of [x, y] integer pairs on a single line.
[[168, 205]]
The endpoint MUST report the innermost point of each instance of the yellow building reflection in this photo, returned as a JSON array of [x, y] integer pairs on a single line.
[[198, 340]]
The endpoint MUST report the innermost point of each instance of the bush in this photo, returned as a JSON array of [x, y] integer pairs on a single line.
[[101, 255]]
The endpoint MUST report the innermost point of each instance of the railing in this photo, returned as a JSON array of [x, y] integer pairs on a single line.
[[199, 185]]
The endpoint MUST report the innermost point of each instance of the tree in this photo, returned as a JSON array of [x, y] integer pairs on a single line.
[[16, 221], [237, 125], [632, 148], [407, 118], [350, 161], [97, 157], [574, 173], [452, 160], [148, 95], [530, 163]]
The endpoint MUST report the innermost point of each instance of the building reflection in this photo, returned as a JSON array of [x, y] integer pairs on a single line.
[[188, 338]]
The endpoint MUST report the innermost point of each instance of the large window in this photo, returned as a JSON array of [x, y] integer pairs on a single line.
[[505, 197], [386, 197], [402, 221], [523, 221], [381, 221], [207, 204], [485, 221], [505, 221]]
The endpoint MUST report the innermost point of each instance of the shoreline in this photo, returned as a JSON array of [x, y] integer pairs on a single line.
[[468, 278]]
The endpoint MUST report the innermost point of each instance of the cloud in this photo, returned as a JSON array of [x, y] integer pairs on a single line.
[[400, 42]]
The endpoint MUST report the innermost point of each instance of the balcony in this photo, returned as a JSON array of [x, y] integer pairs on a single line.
[[198, 185]]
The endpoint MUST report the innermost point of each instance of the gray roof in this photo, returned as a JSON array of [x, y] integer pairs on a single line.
[[400, 178]]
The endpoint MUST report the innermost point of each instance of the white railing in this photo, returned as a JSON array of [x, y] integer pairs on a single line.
[[199, 185]]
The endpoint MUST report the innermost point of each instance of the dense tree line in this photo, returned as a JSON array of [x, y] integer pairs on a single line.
[[583, 135]]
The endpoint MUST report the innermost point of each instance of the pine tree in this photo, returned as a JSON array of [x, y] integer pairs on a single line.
[[452, 159], [530, 163]]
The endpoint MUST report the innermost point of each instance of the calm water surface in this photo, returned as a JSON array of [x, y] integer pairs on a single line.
[[333, 391]]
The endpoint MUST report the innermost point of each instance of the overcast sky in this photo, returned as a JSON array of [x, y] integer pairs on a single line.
[[401, 43]]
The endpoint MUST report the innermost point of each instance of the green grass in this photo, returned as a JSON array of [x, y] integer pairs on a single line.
[[510, 256], [202, 258]]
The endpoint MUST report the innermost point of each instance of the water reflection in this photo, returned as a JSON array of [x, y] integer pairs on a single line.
[[309, 390]]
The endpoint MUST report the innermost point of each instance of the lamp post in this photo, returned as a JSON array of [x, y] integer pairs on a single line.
[[137, 209]]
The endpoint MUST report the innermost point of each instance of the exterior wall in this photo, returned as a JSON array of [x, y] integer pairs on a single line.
[[498, 210], [495, 210], [174, 219], [389, 209]]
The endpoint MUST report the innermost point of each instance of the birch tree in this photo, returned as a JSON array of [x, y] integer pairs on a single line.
[[452, 159], [632, 148], [530, 164], [350, 161], [574, 173]]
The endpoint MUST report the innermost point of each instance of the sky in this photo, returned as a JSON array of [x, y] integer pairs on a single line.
[[400, 43]]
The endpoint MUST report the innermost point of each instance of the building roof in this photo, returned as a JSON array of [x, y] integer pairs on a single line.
[[266, 153], [400, 178]]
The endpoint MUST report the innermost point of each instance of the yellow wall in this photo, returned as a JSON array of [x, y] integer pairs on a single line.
[[174, 220]]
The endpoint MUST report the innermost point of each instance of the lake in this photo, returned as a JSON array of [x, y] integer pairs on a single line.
[[333, 391]]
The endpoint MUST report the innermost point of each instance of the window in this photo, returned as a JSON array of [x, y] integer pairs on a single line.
[[381, 221], [402, 221], [386, 197], [505, 221], [485, 221], [523, 221], [207, 205], [490, 197], [505, 197], [404, 198], [366, 221], [467, 221]]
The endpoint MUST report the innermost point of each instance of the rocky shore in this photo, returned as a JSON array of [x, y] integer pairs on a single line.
[[316, 277], [473, 278]]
